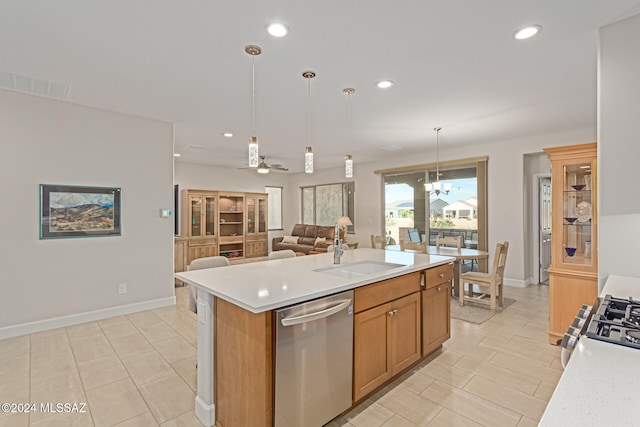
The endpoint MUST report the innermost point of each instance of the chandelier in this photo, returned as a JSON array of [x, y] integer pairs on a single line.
[[435, 187]]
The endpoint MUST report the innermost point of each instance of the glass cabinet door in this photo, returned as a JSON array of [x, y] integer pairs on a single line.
[[262, 215], [577, 214], [210, 218], [251, 215], [196, 216]]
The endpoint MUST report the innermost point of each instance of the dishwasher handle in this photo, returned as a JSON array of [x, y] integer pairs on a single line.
[[296, 320]]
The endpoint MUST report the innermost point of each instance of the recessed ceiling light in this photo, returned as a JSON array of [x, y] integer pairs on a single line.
[[227, 135], [277, 30], [525, 33], [177, 154], [384, 84]]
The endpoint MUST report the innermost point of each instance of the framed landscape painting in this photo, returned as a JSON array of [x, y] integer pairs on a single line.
[[73, 211]]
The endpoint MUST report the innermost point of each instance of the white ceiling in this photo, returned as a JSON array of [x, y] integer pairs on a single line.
[[455, 64]]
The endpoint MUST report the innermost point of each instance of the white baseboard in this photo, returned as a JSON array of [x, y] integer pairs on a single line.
[[205, 413], [90, 316], [516, 283]]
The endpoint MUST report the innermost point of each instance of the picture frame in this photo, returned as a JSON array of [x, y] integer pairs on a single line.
[[68, 211]]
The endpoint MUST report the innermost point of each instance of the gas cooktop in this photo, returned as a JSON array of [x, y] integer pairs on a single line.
[[617, 321]]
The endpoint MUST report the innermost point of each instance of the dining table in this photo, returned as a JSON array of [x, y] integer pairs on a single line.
[[459, 255]]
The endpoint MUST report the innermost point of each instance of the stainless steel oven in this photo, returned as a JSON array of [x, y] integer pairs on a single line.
[[576, 330]]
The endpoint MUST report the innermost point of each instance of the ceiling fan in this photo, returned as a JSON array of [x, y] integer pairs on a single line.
[[264, 167]]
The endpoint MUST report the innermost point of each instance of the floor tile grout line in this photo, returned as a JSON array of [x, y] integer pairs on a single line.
[[75, 360]]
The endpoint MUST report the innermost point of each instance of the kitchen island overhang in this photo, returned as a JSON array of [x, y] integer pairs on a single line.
[[268, 285]]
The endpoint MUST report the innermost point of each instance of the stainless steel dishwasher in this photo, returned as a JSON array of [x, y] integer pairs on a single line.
[[314, 351]]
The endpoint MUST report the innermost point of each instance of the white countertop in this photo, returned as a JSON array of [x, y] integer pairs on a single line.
[[600, 384], [269, 285]]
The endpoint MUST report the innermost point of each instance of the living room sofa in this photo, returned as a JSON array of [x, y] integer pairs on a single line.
[[305, 238]]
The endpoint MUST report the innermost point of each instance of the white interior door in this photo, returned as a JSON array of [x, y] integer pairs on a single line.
[[545, 227]]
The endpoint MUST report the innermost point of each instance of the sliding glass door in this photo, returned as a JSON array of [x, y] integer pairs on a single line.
[[460, 212], [404, 204]]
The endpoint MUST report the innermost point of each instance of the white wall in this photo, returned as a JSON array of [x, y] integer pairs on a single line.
[[619, 149], [506, 194], [50, 283]]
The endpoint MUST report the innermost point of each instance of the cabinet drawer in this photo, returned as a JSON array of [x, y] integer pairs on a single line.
[[438, 275], [231, 239], [202, 242], [375, 294]]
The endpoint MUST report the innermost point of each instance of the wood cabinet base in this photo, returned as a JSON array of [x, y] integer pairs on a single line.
[[568, 290]]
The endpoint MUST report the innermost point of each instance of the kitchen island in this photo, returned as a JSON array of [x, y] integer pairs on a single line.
[[235, 305]]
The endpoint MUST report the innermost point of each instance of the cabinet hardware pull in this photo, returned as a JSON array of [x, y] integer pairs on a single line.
[[392, 312], [441, 275], [439, 288]]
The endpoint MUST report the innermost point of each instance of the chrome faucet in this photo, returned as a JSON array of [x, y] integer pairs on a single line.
[[337, 245]]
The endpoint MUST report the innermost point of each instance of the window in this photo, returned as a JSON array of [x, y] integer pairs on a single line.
[[463, 211], [275, 207], [324, 204]]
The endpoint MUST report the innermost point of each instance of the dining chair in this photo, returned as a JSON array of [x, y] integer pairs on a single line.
[[413, 246], [285, 253], [378, 242], [452, 241], [200, 264], [490, 283]]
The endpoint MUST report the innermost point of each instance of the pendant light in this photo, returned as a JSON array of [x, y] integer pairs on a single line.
[[308, 152], [348, 160], [254, 158], [434, 187]]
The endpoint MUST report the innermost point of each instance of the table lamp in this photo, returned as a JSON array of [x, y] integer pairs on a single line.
[[343, 222]]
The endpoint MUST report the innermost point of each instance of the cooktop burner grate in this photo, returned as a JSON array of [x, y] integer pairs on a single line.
[[617, 321]]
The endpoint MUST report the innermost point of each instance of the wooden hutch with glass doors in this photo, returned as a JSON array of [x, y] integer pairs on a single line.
[[230, 224], [573, 275]]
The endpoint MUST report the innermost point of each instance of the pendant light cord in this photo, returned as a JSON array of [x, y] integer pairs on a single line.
[[308, 111], [253, 94], [437, 156]]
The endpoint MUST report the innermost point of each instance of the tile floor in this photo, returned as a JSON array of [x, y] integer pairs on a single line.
[[139, 370]]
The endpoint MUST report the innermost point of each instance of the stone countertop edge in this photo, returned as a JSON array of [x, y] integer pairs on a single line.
[[600, 380], [273, 284]]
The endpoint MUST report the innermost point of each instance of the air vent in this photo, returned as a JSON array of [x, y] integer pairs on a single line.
[[18, 82]]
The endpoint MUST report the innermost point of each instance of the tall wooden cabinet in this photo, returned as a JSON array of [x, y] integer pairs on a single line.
[[573, 275], [230, 224]]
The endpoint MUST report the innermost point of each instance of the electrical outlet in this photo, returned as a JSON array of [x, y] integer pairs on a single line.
[[122, 288]]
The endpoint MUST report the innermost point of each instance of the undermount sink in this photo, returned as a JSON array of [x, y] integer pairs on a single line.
[[360, 268]]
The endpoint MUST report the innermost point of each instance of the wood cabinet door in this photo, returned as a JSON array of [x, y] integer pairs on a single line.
[[370, 355], [256, 248], [202, 251], [403, 326], [436, 315]]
